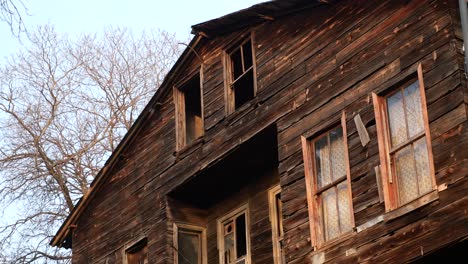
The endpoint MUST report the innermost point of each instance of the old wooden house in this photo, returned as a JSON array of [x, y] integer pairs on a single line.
[[294, 131]]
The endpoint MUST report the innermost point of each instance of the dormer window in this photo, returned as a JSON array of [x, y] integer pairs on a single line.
[[189, 111], [240, 75]]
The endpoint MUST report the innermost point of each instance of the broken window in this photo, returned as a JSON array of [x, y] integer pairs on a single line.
[[189, 244], [138, 253], [328, 180], [276, 219], [241, 79], [404, 143], [188, 101], [233, 238]]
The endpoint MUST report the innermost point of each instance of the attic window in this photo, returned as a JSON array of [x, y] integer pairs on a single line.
[[240, 69], [138, 253], [189, 112]]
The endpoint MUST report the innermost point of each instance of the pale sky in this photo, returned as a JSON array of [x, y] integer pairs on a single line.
[[80, 16], [73, 17]]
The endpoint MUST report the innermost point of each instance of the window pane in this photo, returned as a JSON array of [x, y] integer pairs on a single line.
[[330, 214], [188, 248], [422, 166], [247, 49], [229, 254], [407, 179], [413, 109], [396, 119], [241, 241], [322, 164], [243, 89], [337, 153], [236, 62], [343, 207]]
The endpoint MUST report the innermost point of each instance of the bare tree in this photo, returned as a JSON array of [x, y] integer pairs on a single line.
[[64, 106], [11, 12]]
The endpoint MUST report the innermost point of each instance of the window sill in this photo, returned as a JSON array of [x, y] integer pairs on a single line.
[[238, 113], [411, 206], [187, 149], [331, 243]]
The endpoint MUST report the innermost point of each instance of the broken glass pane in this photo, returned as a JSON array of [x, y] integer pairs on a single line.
[[322, 163], [229, 253]]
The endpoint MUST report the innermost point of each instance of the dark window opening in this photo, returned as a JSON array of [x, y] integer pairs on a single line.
[[193, 113], [188, 102], [241, 240], [243, 90]]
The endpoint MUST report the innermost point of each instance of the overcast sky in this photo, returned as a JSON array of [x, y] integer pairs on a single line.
[[78, 16]]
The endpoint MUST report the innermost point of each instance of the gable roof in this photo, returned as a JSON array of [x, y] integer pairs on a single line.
[[219, 26]]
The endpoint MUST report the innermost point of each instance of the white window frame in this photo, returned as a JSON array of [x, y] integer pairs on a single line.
[[195, 229], [220, 224], [275, 214]]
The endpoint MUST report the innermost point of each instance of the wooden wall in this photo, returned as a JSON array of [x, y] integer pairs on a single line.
[[310, 67]]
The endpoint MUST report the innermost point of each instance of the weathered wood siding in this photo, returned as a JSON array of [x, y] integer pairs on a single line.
[[354, 56], [310, 66]]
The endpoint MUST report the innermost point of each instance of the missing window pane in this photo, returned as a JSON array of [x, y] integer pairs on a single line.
[[188, 101], [243, 89], [241, 241]]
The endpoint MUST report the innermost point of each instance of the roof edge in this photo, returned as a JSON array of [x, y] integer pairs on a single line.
[[255, 14]]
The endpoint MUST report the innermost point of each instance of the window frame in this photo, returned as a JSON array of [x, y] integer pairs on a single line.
[[243, 209], [180, 117], [196, 229], [140, 244], [229, 93], [389, 181], [316, 221], [277, 236]]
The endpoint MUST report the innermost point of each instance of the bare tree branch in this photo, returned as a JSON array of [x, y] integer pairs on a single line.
[[64, 107], [11, 13]]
